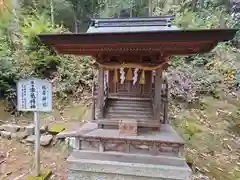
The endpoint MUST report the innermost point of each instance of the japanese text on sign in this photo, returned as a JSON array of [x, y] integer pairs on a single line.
[[34, 95]]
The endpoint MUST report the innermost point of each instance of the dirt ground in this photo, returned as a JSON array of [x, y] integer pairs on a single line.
[[17, 160]]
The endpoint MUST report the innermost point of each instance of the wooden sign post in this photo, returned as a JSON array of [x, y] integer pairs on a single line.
[[35, 95]]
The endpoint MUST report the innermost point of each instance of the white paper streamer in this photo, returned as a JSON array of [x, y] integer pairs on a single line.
[[122, 75], [135, 77], [105, 80], [153, 75]]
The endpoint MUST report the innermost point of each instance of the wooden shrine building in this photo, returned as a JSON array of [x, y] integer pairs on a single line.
[[132, 96]]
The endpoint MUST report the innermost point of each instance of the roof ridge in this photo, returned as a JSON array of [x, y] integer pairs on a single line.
[[132, 22]]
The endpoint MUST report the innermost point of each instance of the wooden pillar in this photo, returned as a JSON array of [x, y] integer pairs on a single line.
[[166, 101], [93, 102], [158, 93], [100, 96]]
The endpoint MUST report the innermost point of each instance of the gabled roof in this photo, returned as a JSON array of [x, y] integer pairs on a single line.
[[137, 35]]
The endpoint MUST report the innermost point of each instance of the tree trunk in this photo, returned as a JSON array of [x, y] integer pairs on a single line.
[[75, 24], [227, 5], [52, 12], [202, 3], [149, 7], [194, 4], [15, 27]]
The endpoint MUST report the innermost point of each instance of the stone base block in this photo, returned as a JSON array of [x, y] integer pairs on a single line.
[[92, 166], [74, 175]]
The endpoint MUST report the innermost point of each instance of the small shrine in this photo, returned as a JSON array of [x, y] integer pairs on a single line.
[[131, 137]]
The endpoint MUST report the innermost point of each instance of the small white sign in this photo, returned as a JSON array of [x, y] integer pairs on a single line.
[[34, 95]]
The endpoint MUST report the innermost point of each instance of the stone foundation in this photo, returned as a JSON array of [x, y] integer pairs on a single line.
[[117, 166]]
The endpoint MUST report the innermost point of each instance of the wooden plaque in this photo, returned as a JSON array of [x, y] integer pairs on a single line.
[[128, 128]]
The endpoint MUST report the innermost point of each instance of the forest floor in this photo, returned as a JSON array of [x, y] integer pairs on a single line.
[[17, 159], [211, 147]]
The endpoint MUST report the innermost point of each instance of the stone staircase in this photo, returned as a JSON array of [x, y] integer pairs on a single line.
[[129, 109]]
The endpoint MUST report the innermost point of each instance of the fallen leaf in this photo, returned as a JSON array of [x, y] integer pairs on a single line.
[[229, 147], [206, 170], [220, 169]]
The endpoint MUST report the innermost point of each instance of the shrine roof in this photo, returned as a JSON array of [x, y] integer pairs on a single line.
[[137, 35]]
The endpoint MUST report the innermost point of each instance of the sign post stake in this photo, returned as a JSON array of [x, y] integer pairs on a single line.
[[37, 144]]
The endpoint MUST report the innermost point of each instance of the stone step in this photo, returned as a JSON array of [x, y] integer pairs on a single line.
[[149, 123], [132, 158], [131, 101], [130, 111], [136, 108], [123, 104], [128, 167], [111, 97], [129, 116]]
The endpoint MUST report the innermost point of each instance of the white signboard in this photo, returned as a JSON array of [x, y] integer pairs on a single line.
[[34, 95]]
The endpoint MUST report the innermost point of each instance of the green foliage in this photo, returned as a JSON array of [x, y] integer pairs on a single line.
[[32, 58], [74, 75], [43, 60], [8, 75], [33, 25]]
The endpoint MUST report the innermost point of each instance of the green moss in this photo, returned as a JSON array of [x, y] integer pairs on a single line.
[[191, 128], [45, 174], [189, 160], [56, 129]]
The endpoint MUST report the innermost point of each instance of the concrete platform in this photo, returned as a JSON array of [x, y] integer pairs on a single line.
[[86, 165]]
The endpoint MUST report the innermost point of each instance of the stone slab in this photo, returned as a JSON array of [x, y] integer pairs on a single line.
[[75, 175], [19, 135], [45, 140], [130, 158], [11, 128], [43, 129], [86, 128], [30, 129], [5, 134], [31, 139], [88, 169], [166, 134]]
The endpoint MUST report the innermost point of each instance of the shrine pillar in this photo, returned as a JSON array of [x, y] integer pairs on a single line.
[[100, 94], [158, 94]]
